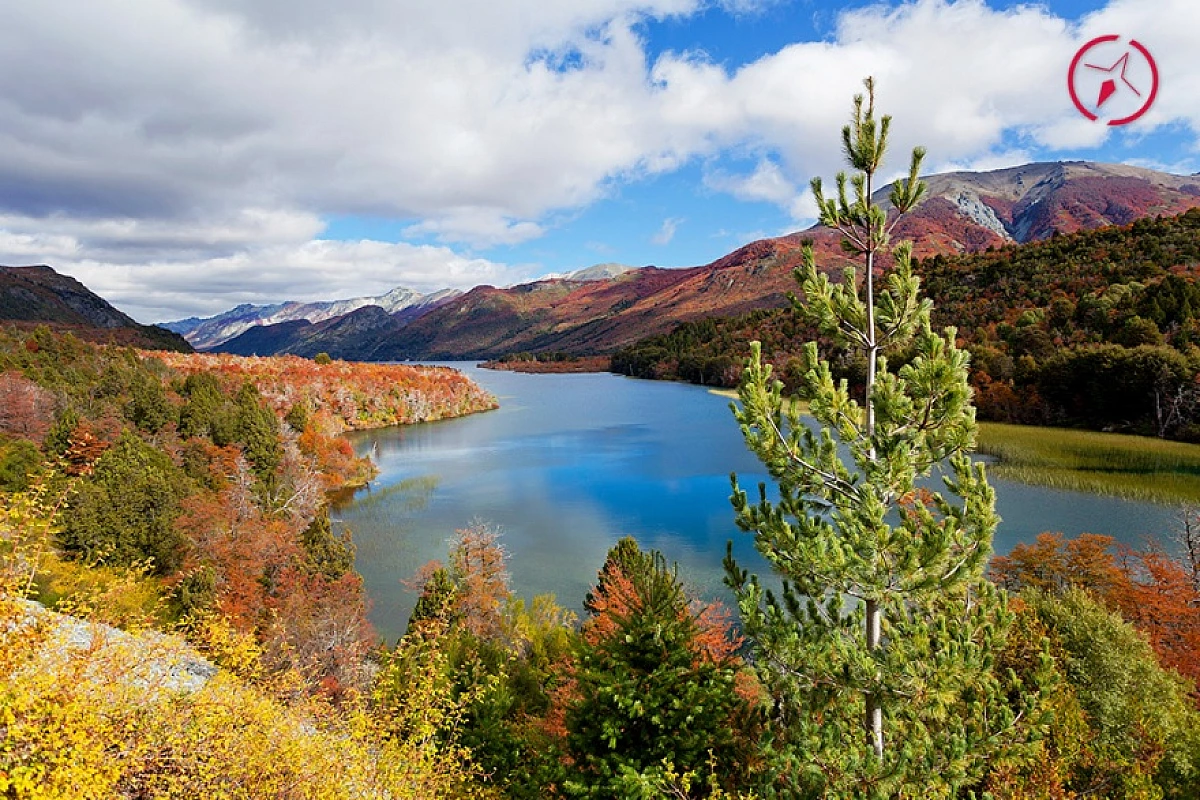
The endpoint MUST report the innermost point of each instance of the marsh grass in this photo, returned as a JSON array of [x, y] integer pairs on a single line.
[[1133, 467]]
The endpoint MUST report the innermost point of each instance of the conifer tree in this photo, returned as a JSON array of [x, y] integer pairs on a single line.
[[879, 649], [651, 699]]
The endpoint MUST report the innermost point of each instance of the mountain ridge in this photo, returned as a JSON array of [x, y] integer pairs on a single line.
[[39, 295], [599, 309], [963, 212], [207, 333]]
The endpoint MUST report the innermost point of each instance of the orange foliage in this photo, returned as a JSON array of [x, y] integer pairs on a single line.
[[477, 565], [247, 548], [83, 451], [1163, 602], [1151, 590], [1053, 564], [347, 395]]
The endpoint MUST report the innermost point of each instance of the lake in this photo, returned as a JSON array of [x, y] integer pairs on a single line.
[[571, 463]]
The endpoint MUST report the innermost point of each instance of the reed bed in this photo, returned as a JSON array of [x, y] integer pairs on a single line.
[[1133, 467]]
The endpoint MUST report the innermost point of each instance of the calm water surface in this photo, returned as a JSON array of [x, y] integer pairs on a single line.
[[571, 463]]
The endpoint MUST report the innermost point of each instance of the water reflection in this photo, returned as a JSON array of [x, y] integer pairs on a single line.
[[570, 463]]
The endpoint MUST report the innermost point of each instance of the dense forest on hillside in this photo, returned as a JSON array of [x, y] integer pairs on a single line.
[[1098, 329], [204, 481], [188, 494]]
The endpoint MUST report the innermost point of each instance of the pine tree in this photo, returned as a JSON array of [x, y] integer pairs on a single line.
[[879, 650], [651, 698]]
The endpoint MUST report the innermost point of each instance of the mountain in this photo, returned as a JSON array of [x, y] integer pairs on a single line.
[[208, 333], [352, 336], [596, 272], [606, 307], [1096, 329], [971, 211], [38, 295]]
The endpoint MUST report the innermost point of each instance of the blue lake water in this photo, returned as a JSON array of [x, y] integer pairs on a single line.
[[571, 463]]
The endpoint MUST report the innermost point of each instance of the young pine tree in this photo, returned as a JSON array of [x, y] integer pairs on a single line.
[[879, 651], [656, 689]]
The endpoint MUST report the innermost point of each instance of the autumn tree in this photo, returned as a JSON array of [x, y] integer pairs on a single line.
[[1052, 563], [1143, 735], [1149, 588], [479, 570], [1161, 600], [26, 409], [879, 650]]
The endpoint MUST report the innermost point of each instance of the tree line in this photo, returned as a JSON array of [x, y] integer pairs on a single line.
[[1095, 329]]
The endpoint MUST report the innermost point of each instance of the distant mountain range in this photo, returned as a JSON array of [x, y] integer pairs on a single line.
[[963, 212], [209, 332], [355, 326], [37, 295], [608, 306]]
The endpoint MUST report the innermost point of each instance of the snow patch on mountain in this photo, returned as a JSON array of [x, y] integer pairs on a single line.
[[209, 332]]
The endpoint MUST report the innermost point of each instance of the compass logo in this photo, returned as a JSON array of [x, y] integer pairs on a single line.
[[1113, 80]]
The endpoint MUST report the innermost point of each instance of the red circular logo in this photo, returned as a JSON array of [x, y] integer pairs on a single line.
[[1111, 80]]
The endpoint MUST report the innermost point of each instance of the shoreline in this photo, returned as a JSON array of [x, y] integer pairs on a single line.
[[533, 367]]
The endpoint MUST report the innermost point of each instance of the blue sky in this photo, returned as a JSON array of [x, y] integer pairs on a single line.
[[184, 156]]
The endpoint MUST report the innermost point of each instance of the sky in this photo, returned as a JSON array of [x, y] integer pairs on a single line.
[[181, 157]]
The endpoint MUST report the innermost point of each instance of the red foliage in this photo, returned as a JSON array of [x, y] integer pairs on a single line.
[[26, 409]]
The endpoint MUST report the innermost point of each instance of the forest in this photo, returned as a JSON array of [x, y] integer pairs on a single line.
[[182, 495], [1096, 329]]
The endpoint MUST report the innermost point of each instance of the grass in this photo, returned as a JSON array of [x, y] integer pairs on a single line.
[[1133, 467]]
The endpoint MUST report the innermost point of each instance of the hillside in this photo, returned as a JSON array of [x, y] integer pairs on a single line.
[[1097, 329], [965, 212], [37, 295]]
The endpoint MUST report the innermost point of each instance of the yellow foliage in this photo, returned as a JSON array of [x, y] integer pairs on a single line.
[[89, 712], [96, 722], [126, 597], [27, 528], [227, 647]]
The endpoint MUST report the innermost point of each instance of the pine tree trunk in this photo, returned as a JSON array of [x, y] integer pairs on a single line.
[[874, 708], [874, 716]]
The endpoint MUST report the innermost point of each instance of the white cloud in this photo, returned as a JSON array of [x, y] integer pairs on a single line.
[[191, 148], [984, 163], [476, 226], [667, 232], [766, 184], [155, 272], [961, 78]]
